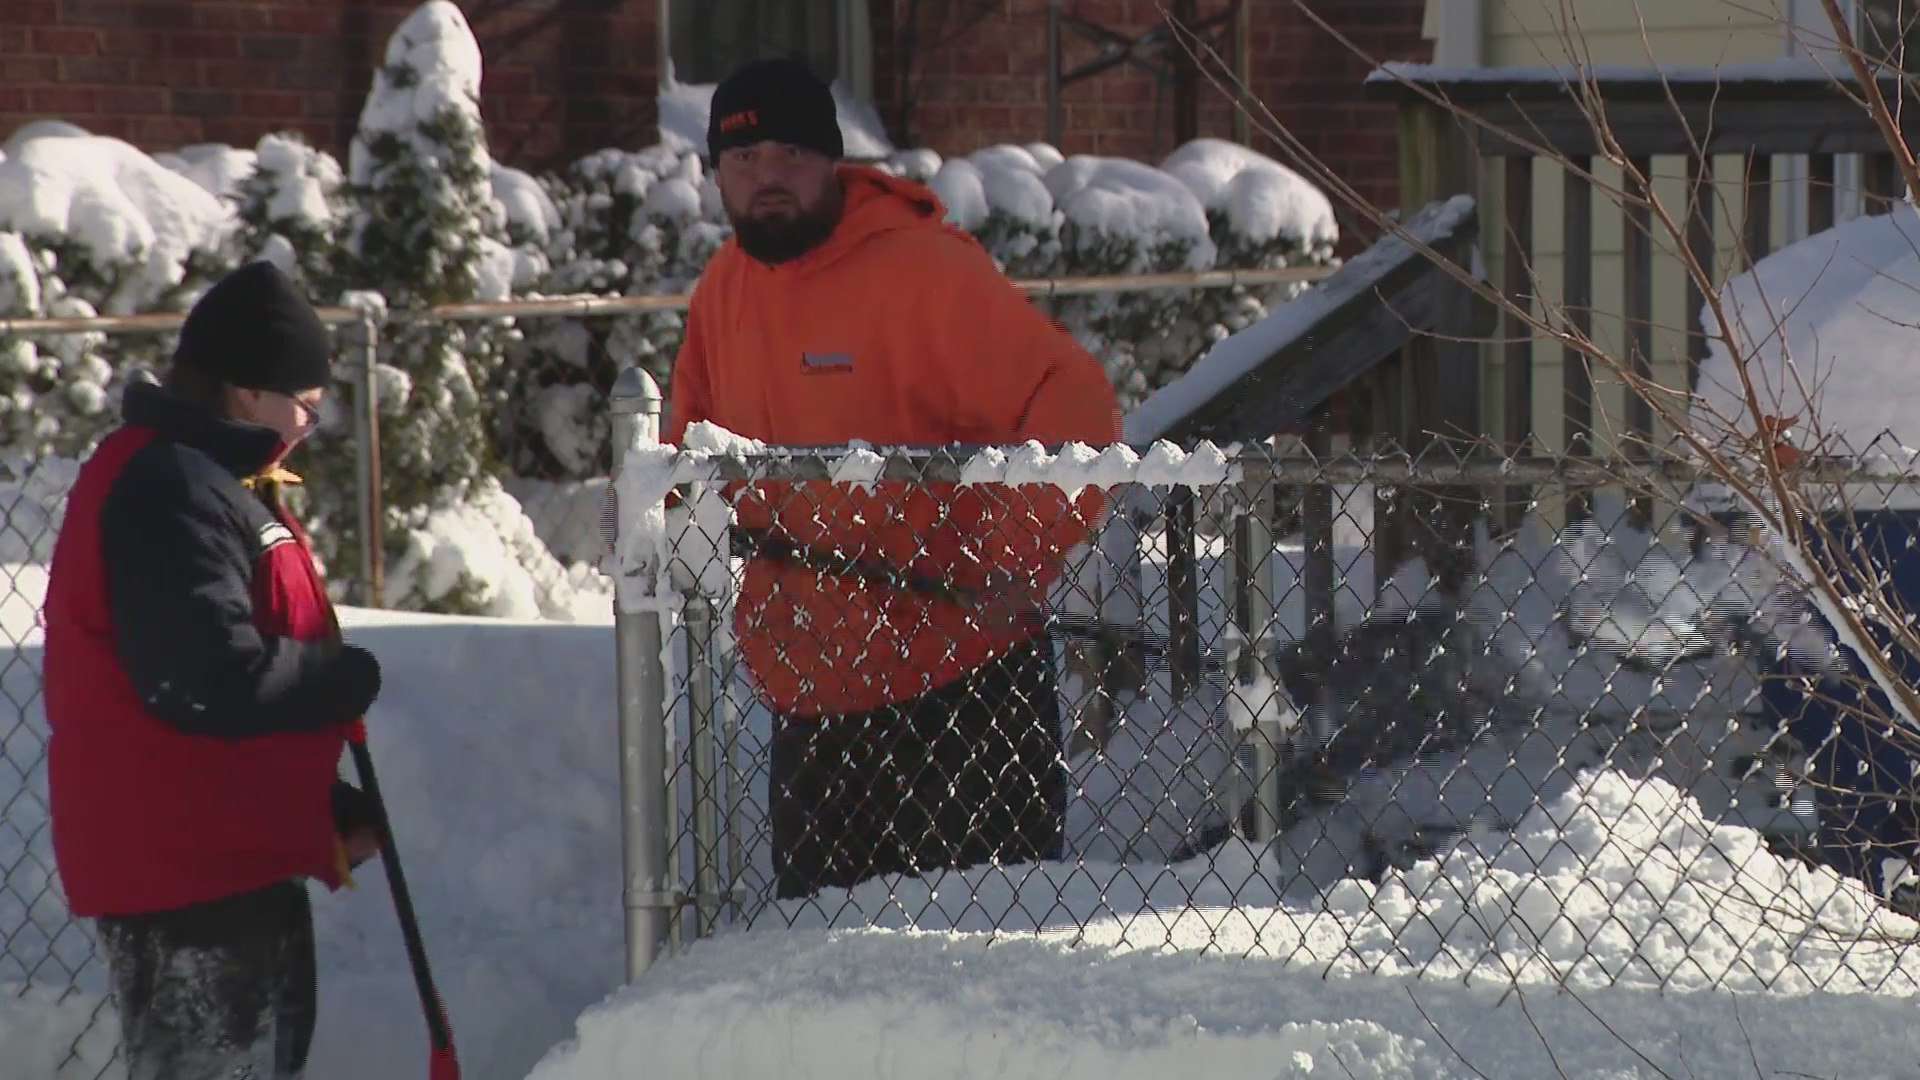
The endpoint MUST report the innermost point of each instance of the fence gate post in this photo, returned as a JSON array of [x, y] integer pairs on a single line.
[[366, 437], [648, 893], [1254, 607]]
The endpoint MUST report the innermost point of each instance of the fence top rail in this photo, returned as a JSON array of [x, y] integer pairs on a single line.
[[1762, 82], [1766, 108], [582, 306], [1165, 463]]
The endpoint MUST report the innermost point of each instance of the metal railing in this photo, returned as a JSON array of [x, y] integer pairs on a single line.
[[1523, 748]]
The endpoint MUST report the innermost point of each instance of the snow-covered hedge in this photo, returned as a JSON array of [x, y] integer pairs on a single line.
[[422, 214]]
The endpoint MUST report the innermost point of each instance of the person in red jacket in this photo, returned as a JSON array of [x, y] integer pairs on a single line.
[[889, 627], [198, 698]]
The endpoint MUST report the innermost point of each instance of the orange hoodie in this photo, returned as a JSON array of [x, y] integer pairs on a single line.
[[897, 330]]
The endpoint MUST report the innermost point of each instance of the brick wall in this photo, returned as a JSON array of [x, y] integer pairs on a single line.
[[565, 77], [988, 83]]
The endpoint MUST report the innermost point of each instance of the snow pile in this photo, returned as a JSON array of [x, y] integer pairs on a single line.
[[485, 555], [855, 1005], [1608, 882], [504, 792], [685, 107], [1824, 327], [1191, 970]]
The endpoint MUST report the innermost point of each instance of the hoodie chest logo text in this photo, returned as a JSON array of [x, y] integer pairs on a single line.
[[825, 363]]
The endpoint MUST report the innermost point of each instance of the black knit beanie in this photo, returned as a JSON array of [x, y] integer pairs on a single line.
[[254, 329], [780, 100]]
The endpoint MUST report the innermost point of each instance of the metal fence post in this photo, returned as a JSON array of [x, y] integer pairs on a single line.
[[1254, 608], [707, 854], [366, 437], [648, 893]]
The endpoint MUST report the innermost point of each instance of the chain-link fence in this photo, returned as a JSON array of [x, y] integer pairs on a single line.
[[1193, 700], [47, 959]]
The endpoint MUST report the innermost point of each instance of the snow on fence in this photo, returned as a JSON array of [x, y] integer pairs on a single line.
[[1562, 765]]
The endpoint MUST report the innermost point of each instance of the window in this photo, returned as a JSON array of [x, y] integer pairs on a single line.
[[709, 38], [1886, 29]]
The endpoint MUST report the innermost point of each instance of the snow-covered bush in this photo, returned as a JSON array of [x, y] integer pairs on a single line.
[[1211, 205], [425, 229], [88, 226], [292, 206], [639, 223], [999, 194]]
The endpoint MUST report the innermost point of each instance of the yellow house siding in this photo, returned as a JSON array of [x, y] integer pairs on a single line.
[[1532, 33]]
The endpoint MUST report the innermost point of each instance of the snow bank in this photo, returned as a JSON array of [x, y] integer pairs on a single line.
[[855, 1005], [496, 749], [1826, 329], [133, 220], [1111, 999], [57, 1034], [488, 548], [684, 108]]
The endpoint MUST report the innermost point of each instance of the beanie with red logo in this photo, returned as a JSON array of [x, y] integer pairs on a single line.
[[775, 100]]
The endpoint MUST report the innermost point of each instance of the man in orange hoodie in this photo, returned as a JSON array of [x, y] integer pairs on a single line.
[[889, 628]]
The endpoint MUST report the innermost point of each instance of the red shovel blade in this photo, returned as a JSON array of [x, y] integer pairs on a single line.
[[443, 1065]]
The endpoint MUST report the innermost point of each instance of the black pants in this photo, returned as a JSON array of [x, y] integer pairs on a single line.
[[224, 990], [968, 773]]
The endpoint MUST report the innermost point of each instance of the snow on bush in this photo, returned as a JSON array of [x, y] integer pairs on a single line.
[[427, 229], [218, 168], [291, 208], [630, 223], [130, 234], [89, 225], [1211, 205]]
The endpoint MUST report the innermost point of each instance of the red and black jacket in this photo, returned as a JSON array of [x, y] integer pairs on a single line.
[[197, 695]]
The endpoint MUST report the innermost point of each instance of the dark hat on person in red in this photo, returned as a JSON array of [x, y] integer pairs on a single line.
[[255, 329]]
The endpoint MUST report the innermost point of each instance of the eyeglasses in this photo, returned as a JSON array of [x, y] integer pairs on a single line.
[[309, 414]]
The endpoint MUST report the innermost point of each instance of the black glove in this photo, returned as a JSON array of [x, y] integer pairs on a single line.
[[356, 676], [353, 811]]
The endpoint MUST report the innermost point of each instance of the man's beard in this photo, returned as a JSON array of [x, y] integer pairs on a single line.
[[782, 239]]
